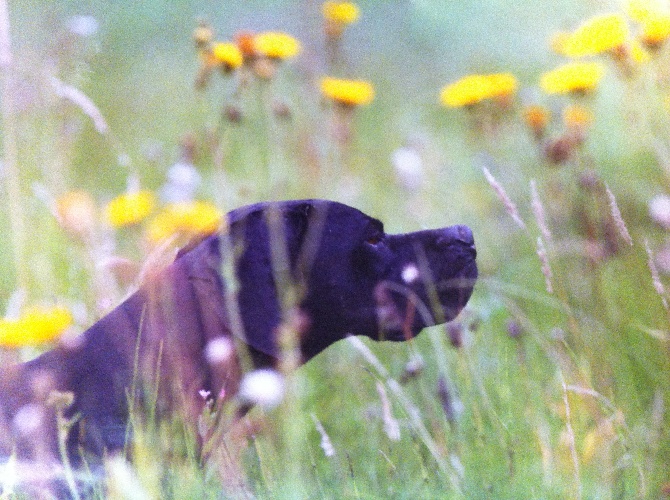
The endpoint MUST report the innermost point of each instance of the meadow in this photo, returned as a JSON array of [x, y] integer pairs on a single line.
[[553, 383]]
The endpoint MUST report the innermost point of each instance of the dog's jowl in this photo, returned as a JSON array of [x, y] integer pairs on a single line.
[[319, 269]]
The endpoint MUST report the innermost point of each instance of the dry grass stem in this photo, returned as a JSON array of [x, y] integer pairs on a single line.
[[83, 102], [655, 278], [502, 195], [618, 220], [539, 213], [544, 261]]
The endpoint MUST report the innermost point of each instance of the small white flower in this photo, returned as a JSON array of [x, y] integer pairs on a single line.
[[659, 210], [264, 387], [84, 26], [183, 180], [219, 350], [409, 274], [408, 166], [28, 420]]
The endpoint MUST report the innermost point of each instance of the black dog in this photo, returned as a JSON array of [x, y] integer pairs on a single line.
[[326, 264]]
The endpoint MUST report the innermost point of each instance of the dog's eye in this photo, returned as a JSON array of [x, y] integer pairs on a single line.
[[373, 240]]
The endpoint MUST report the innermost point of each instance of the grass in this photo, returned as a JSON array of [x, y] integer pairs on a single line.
[[550, 395]]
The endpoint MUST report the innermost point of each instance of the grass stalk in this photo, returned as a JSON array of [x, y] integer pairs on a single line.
[[10, 152]]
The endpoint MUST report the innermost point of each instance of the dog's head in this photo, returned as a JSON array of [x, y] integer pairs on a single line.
[[345, 273]]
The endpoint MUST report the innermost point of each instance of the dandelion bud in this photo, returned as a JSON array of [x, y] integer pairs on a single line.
[[577, 119], [537, 118], [76, 213], [203, 35], [232, 114], [455, 333], [560, 150]]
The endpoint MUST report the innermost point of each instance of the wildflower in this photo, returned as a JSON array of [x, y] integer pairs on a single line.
[[599, 34], [655, 29], [347, 92], [36, 325], [129, 208], [475, 88], [203, 35], [337, 16], [276, 45], [340, 12], [408, 166], [577, 118], [227, 55], [186, 219], [659, 210], [245, 42], [561, 149], [537, 118], [76, 213], [264, 387], [575, 77]]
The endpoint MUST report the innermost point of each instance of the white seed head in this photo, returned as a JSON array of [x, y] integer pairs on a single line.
[[28, 420], [659, 210], [219, 350], [264, 387], [408, 166], [410, 274]]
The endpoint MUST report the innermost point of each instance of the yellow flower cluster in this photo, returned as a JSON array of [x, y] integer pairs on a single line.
[[36, 325], [185, 219], [472, 89], [578, 77], [129, 208], [597, 35], [276, 45], [340, 12], [347, 92]]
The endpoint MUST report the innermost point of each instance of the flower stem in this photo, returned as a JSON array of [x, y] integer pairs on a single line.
[[10, 151]]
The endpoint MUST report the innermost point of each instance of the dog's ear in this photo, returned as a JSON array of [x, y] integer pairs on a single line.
[[272, 241]]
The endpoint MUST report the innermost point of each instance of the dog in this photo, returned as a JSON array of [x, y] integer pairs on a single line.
[[318, 269]]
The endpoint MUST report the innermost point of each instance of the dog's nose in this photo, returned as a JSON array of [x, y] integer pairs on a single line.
[[457, 234], [464, 235]]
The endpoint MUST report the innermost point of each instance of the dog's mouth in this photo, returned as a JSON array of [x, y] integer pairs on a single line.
[[404, 310]]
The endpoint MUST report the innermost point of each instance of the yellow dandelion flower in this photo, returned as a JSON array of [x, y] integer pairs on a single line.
[[276, 45], [641, 10], [572, 77], [340, 12], [186, 219], [472, 89], [129, 208], [655, 29], [347, 92], [598, 34], [228, 55], [36, 325]]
